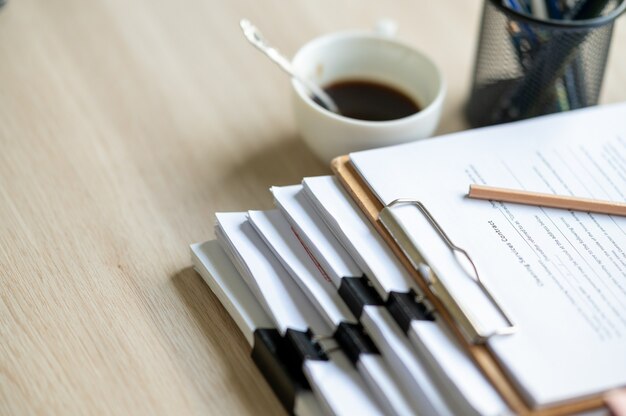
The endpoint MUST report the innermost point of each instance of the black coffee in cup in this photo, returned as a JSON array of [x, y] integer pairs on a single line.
[[370, 100]]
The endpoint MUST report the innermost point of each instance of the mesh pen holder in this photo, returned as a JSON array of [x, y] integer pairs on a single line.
[[527, 66]]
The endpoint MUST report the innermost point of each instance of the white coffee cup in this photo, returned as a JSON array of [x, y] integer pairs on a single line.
[[370, 57]]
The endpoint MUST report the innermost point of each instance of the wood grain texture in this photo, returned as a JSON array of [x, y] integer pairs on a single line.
[[123, 127]]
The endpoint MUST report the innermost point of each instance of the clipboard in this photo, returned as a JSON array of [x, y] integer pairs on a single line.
[[481, 355]]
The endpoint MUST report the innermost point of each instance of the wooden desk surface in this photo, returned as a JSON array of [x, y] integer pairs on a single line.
[[123, 127]]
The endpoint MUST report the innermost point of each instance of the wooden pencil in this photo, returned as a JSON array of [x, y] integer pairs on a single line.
[[547, 200]]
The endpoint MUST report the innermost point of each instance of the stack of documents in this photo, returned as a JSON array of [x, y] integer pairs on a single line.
[[355, 304]]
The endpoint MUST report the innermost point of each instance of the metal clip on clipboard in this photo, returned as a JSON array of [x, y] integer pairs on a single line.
[[469, 326]]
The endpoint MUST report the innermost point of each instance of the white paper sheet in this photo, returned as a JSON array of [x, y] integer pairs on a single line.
[[338, 383], [357, 235], [302, 216], [396, 350], [385, 385], [469, 389], [335, 384], [560, 274], [219, 273], [267, 279], [278, 235], [419, 383]]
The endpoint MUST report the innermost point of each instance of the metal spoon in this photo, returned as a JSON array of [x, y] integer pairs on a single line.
[[255, 37]]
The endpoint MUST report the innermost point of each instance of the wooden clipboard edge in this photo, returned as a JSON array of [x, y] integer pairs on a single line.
[[371, 206]]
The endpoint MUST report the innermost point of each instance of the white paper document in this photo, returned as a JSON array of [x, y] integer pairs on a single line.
[[426, 393], [278, 235], [339, 386], [561, 275], [417, 378], [359, 237], [470, 391], [289, 308], [219, 273], [335, 261], [266, 277]]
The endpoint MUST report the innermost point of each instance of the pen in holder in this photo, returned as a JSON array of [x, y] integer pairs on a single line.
[[529, 63]]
